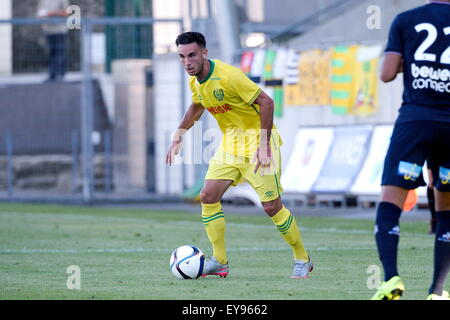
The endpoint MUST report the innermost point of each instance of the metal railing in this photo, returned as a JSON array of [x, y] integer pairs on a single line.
[[85, 156]]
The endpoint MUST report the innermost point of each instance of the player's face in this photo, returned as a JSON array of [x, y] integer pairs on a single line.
[[192, 57]]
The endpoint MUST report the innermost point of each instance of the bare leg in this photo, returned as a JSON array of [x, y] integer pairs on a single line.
[[213, 190], [394, 195]]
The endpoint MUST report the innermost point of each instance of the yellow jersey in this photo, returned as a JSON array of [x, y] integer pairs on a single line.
[[229, 95]]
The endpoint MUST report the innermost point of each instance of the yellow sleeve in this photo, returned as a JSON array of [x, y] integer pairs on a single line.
[[195, 95], [242, 86], [195, 98]]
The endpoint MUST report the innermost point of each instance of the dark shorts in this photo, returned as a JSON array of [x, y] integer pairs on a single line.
[[413, 143]]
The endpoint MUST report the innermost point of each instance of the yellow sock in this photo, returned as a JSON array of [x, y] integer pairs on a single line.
[[287, 226], [214, 221]]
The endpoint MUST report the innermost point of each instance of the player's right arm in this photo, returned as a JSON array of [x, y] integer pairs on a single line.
[[192, 115], [392, 64], [393, 54]]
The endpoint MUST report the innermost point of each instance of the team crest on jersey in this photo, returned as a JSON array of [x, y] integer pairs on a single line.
[[219, 94]]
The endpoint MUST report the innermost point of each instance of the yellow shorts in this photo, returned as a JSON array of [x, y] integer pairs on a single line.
[[225, 166]]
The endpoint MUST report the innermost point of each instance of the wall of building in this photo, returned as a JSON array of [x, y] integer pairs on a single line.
[[168, 112], [5, 38], [351, 26], [286, 12]]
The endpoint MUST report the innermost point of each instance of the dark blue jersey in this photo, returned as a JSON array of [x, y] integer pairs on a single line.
[[422, 37]]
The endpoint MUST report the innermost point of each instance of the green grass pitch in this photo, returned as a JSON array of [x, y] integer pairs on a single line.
[[124, 254]]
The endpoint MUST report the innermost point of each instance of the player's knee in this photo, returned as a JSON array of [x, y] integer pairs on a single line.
[[207, 196], [443, 204], [442, 201], [394, 195], [271, 207]]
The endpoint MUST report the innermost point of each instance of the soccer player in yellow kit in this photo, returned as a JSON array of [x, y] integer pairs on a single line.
[[249, 149]]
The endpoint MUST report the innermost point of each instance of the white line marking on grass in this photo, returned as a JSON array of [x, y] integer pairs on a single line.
[[79, 216], [151, 221], [104, 250], [158, 250]]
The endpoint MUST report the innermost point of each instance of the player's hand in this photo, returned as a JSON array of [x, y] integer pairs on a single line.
[[263, 159], [174, 149]]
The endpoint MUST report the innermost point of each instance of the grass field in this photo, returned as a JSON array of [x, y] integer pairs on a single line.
[[124, 254]]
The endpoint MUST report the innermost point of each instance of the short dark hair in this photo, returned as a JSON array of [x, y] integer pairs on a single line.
[[191, 37]]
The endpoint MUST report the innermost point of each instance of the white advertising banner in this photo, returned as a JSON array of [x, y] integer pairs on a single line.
[[309, 153], [257, 68], [279, 65], [344, 160], [369, 178], [368, 181], [422, 191]]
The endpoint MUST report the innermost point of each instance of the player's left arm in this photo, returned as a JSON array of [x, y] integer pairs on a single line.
[[249, 92], [264, 153], [266, 109]]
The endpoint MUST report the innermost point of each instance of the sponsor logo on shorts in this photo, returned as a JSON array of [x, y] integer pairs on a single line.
[[444, 175], [409, 171]]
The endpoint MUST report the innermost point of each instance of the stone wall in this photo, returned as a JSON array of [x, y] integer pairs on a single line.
[[48, 172]]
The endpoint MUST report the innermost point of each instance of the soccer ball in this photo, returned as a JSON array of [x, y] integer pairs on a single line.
[[187, 262]]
